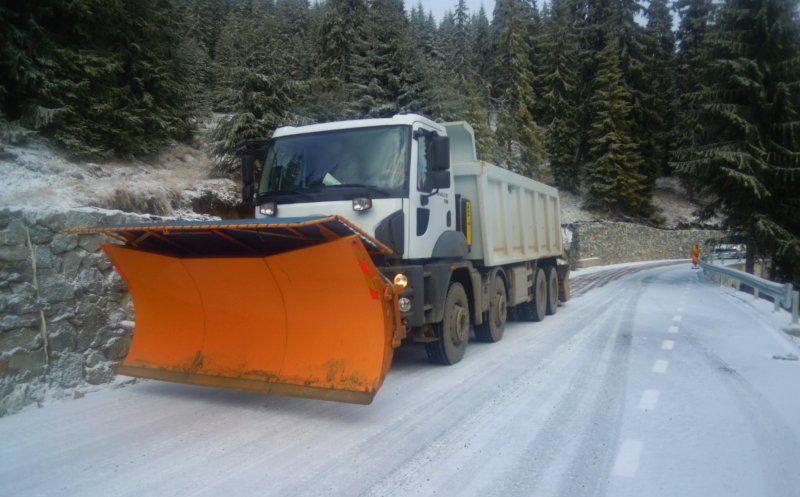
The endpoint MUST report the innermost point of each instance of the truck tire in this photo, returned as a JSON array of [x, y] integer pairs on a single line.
[[536, 309], [453, 332], [552, 290], [491, 330]]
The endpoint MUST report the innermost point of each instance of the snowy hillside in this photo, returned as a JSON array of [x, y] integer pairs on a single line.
[[177, 183]]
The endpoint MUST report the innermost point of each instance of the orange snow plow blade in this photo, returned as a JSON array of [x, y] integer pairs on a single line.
[[310, 322]]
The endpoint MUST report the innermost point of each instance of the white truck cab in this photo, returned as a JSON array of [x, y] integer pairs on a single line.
[[366, 171]]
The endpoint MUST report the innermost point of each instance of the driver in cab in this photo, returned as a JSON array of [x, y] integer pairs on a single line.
[[346, 171]]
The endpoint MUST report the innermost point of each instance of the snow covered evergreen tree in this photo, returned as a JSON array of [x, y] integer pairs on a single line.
[[660, 79], [519, 138], [747, 156], [383, 61], [690, 66], [256, 88], [613, 181], [482, 49], [66, 77], [559, 100]]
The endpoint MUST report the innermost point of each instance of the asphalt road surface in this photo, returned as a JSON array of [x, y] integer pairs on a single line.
[[650, 382]]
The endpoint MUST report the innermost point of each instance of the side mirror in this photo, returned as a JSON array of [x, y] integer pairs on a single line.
[[441, 154], [248, 169], [439, 179]]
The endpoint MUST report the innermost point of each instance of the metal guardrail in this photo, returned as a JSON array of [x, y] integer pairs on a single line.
[[783, 294]]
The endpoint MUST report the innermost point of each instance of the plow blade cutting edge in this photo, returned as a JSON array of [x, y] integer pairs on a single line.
[[314, 322]]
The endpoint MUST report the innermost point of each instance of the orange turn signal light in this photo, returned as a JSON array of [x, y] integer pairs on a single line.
[[400, 281]]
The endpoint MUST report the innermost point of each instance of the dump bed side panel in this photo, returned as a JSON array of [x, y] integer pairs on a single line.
[[514, 219]]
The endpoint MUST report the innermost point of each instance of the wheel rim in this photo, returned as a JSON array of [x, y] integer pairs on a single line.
[[500, 309], [541, 294], [459, 324]]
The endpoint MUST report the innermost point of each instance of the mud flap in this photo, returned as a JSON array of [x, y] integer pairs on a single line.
[[315, 322]]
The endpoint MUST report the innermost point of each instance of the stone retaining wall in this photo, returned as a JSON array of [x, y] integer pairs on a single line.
[[615, 242], [61, 306]]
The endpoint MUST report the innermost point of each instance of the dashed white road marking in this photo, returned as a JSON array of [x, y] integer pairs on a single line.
[[649, 400], [660, 366], [627, 461], [673, 329], [677, 318], [668, 345]]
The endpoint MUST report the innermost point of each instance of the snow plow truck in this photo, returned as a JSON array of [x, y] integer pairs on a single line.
[[367, 233]]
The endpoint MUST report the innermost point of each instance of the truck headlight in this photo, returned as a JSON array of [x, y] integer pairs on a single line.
[[362, 204], [269, 209], [404, 303]]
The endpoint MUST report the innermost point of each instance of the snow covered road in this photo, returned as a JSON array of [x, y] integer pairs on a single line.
[[655, 384]]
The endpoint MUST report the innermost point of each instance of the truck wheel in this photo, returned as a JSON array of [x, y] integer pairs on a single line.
[[535, 309], [552, 290], [491, 330], [453, 332]]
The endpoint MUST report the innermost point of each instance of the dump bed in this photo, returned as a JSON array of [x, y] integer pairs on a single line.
[[514, 218]]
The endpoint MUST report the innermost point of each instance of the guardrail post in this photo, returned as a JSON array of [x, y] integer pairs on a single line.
[[777, 304], [755, 293], [795, 299]]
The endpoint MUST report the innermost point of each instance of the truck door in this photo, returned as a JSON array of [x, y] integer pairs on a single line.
[[432, 211]]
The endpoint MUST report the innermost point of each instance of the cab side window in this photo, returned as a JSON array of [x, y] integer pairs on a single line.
[[422, 162]]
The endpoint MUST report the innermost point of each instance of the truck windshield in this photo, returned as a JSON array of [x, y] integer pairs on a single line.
[[367, 158]]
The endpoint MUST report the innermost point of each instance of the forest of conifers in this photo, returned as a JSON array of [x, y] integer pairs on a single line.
[[600, 97]]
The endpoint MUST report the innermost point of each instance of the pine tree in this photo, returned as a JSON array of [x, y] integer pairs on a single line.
[[340, 30], [423, 32], [636, 58], [690, 65], [382, 60], [476, 115], [293, 33], [559, 100], [460, 49], [591, 18], [390, 74], [536, 37], [519, 137], [482, 50], [69, 79], [613, 181], [748, 155], [23, 39], [199, 30], [260, 92], [660, 77]]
